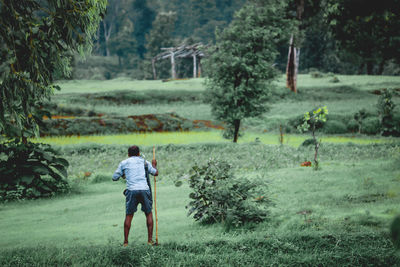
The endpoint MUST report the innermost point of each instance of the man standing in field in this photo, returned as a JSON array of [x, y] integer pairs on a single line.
[[135, 170]]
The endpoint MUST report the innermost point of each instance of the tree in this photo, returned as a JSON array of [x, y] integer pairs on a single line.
[[144, 17], [159, 36], [310, 121], [123, 43], [35, 36], [368, 29], [242, 62]]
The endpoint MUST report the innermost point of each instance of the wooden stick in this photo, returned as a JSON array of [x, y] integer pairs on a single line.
[[155, 197]]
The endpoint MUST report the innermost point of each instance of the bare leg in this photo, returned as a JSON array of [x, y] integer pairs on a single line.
[[149, 222], [127, 227]]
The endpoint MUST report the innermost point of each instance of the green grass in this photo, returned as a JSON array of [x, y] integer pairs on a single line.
[[148, 139], [363, 82], [352, 200], [97, 86], [343, 99], [199, 111]]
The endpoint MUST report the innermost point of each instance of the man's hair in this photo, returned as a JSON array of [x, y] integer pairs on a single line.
[[133, 151]]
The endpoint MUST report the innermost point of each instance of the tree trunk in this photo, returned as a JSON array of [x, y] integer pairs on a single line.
[[381, 67], [296, 67], [199, 68], [153, 65], [361, 68], [236, 124], [370, 68], [194, 66], [316, 147], [291, 67], [107, 34], [173, 70]]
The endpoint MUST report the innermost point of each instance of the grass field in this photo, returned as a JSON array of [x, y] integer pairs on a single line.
[[148, 139], [336, 216], [364, 82], [344, 98], [351, 202]]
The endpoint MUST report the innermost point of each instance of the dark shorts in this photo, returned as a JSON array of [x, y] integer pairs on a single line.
[[134, 197]]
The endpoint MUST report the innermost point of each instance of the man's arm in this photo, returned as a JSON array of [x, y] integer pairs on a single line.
[[118, 173], [153, 168]]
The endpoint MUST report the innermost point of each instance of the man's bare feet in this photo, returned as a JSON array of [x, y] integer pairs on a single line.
[[125, 244]]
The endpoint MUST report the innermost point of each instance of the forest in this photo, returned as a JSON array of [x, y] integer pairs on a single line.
[[351, 40]]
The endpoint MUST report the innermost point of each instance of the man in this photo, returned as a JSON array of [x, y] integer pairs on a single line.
[[133, 169]]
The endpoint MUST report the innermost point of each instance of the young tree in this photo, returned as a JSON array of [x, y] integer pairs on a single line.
[[241, 63], [35, 36], [310, 121]]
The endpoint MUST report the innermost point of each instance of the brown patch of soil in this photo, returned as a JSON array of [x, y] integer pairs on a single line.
[[206, 123]]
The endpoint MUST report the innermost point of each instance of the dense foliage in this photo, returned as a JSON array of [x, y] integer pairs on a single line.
[[327, 33], [242, 62], [368, 29], [218, 196], [30, 171], [35, 37], [389, 126], [395, 231]]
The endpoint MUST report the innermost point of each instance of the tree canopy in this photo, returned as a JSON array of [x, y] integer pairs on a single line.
[[35, 37], [369, 29]]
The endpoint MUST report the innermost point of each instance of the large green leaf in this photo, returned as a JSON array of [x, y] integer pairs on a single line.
[[61, 169], [61, 161], [41, 169], [55, 175], [27, 178]]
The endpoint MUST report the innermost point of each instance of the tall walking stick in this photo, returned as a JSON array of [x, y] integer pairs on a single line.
[[155, 196]]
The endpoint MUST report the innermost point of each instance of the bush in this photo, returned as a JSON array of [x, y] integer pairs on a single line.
[[334, 127], [308, 142], [371, 126], [101, 178], [220, 197], [334, 80], [30, 171], [316, 74], [352, 126], [386, 114]]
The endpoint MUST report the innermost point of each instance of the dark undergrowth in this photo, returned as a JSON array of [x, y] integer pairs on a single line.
[[125, 97], [296, 249]]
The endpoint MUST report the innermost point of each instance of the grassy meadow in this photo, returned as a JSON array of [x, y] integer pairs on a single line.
[[336, 216]]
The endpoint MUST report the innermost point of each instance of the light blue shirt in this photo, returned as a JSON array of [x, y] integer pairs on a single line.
[[133, 169]]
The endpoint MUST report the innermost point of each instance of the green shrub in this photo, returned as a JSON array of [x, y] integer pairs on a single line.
[[101, 178], [352, 126], [30, 171], [334, 127], [308, 142], [386, 114], [334, 80], [220, 197], [112, 125], [371, 125], [395, 232], [316, 74]]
